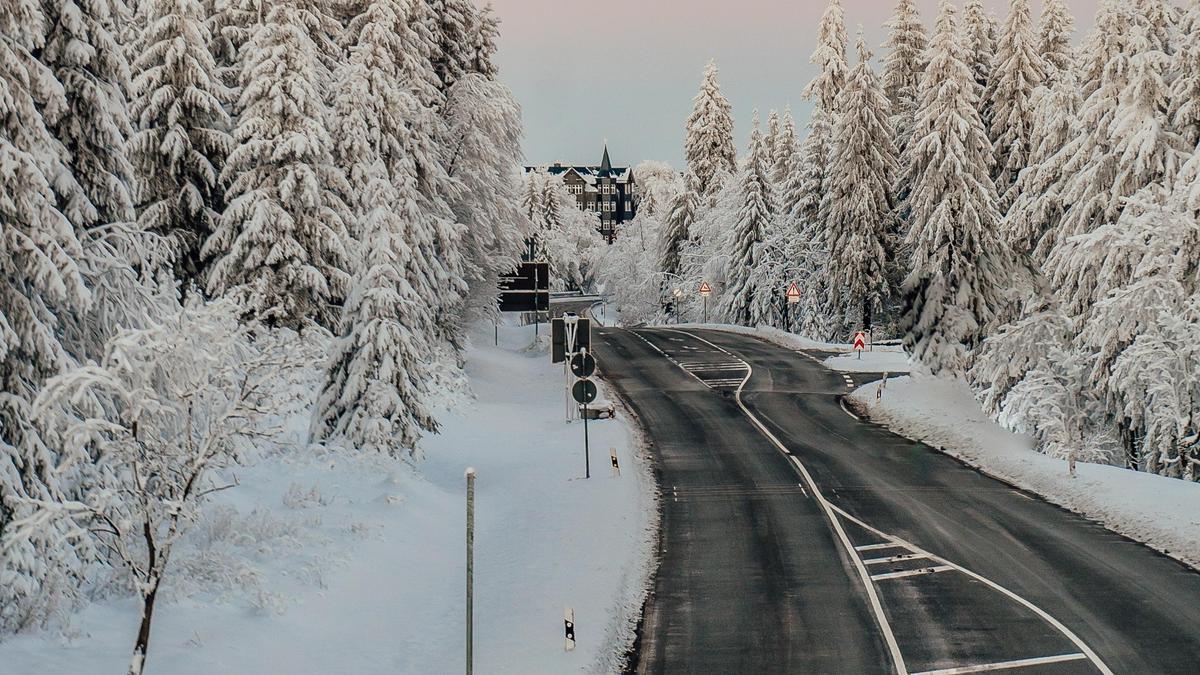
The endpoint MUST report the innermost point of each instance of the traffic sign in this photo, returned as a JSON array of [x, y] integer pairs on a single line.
[[860, 341], [527, 289], [583, 365], [705, 289], [584, 392], [793, 293]]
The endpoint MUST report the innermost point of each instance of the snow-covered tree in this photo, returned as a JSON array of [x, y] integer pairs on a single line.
[[956, 289], [452, 23], [1055, 29], [1185, 92], [657, 185], [830, 57], [677, 231], [903, 66], [565, 237], [786, 151], [484, 144], [281, 242], [182, 141], [708, 147], [1017, 72], [183, 400], [859, 208], [741, 299], [980, 43], [485, 31], [40, 281], [629, 271]]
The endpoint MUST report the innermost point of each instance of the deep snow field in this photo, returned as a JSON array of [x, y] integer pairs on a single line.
[[335, 562]]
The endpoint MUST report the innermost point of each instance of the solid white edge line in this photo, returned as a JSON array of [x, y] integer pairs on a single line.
[[1006, 665], [912, 573], [876, 606], [876, 547], [842, 402], [1066, 632]]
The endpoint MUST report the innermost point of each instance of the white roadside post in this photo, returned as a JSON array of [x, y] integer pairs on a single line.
[[569, 626], [470, 570], [616, 465]]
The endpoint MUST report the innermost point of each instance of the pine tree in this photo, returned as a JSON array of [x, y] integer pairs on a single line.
[[1054, 39], [903, 66], [771, 140], [708, 147], [955, 290], [858, 205], [452, 22], [677, 232], [743, 289], [40, 281], [1018, 71], [981, 46], [830, 56], [485, 31], [1160, 19], [181, 144], [1185, 92], [281, 242], [785, 152]]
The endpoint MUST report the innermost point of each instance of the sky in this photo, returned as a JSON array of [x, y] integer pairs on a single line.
[[626, 71]]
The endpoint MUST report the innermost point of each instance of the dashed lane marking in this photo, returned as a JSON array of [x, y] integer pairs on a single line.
[[912, 573], [895, 558]]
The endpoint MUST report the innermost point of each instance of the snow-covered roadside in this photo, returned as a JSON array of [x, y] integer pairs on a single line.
[[944, 413], [881, 359], [322, 562]]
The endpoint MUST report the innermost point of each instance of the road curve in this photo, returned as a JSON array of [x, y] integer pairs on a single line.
[[962, 573]]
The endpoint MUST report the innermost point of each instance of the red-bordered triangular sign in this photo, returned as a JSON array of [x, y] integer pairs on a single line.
[[793, 292], [705, 289]]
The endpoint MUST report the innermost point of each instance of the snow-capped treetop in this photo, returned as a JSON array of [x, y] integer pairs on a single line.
[[1160, 18], [485, 31], [1017, 72], [980, 43], [1185, 92], [785, 150], [830, 56], [1055, 30], [903, 66], [740, 300], [1106, 42], [709, 148], [770, 139]]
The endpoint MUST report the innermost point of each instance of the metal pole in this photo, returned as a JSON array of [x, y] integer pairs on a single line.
[[587, 461], [470, 570], [706, 309]]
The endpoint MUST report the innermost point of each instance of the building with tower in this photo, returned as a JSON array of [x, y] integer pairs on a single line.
[[609, 192]]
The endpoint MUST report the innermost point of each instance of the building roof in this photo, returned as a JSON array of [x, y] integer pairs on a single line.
[[590, 174]]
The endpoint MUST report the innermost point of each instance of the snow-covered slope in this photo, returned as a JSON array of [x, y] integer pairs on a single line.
[[323, 562]]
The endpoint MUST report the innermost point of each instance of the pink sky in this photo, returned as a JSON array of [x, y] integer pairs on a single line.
[[626, 70]]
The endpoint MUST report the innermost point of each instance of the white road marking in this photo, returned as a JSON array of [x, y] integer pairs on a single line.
[[1066, 632], [1007, 665], [912, 573], [842, 402], [896, 558], [876, 606], [876, 547]]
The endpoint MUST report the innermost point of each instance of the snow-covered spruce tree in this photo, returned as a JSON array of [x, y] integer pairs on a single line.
[[485, 31], [740, 300], [859, 207], [980, 43], [770, 140], [40, 281], [184, 400], [1055, 29], [1017, 72], [956, 289], [676, 232], [1037, 205], [785, 153], [229, 24], [830, 57], [1185, 91], [375, 391], [628, 270], [452, 22], [568, 239], [485, 140], [902, 67], [1138, 150], [281, 244], [1160, 18], [181, 143], [708, 146]]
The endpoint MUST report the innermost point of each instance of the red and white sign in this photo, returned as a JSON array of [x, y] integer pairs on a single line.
[[860, 341], [705, 289], [793, 294]]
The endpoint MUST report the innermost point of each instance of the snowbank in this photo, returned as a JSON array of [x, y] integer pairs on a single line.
[[326, 562], [882, 359], [1162, 512]]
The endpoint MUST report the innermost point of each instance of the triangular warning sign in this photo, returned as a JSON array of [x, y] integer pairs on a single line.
[[705, 289], [793, 292]]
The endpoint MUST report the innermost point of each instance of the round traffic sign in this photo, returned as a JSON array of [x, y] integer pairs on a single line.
[[584, 391], [583, 365]]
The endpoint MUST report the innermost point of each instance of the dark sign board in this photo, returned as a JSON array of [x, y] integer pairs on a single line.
[[527, 289], [558, 341]]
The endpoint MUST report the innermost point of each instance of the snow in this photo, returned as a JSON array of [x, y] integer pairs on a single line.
[[883, 359], [943, 413], [324, 562]]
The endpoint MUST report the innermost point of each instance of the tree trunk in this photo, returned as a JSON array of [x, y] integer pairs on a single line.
[[143, 639]]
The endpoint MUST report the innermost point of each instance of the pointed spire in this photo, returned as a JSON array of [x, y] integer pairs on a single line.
[[606, 163]]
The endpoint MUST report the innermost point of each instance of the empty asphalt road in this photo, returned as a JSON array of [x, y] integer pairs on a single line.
[[799, 539]]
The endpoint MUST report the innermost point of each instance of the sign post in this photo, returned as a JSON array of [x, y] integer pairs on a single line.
[[705, 291], [793, 298], [583, 365], [860, 343]]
